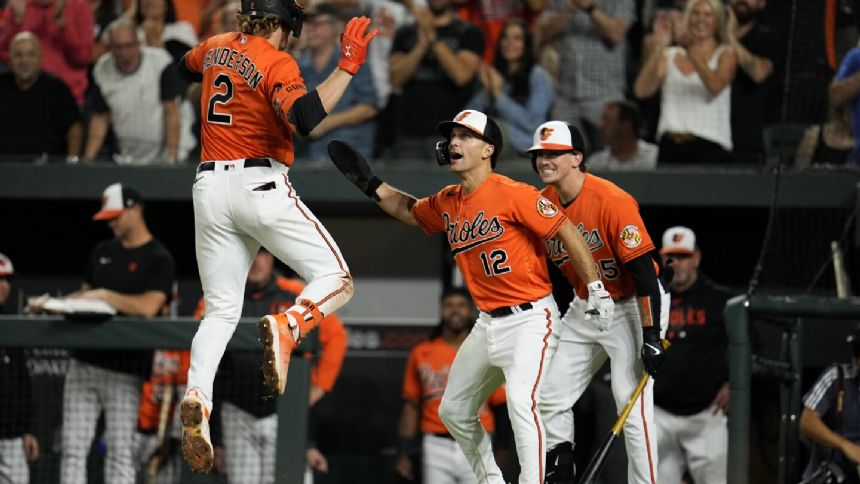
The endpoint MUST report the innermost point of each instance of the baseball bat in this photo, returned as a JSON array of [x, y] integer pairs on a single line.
[[595, 466], [164, 415]]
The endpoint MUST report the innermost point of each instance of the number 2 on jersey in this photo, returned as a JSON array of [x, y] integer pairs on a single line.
[[220, 98], [494, 265]]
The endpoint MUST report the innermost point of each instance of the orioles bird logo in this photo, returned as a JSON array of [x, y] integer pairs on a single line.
[[677, 238], [462, 116], [544, 133]]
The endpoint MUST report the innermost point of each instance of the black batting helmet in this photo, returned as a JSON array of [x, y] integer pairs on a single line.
[[289, 11]]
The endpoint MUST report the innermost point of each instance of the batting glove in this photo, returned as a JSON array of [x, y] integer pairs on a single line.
[[353, 44], [600, 304], [653, 352]]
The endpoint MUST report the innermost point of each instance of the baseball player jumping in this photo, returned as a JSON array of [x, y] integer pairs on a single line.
[[253, 100], [495, 227], [609, 220]]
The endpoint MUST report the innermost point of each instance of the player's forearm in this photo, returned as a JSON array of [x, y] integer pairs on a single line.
[[845, 90], [648, 292], [461, 73], [408, 426], [74, 139], [96, 137], [396, 203], [171, 130], [578, 251], [813, 427], [332, 89]]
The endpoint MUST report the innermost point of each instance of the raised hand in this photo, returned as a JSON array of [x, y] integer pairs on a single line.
[[353, 44]]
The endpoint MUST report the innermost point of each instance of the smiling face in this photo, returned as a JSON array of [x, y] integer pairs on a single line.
[[467, 150], [703, 20], [513, 43], [554, 166]]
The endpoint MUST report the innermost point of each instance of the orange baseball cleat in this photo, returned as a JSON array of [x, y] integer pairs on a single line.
[[276, 333], [196, 442]]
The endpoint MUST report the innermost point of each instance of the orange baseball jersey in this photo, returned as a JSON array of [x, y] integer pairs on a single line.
[[608, 218], [169, 367], [241, 73], [496, 236], [425, 379], [332, 334]]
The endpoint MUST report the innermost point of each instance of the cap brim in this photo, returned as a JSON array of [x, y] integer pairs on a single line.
[[445, 128], [676, 251], [107, 214], [549, 147]]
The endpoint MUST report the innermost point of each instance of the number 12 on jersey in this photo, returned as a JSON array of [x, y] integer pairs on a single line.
[[494, 264]]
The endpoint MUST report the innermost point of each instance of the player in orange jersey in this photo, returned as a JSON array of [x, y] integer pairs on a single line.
[[495, 227], [424, 382], [253, 101], [625, 257]]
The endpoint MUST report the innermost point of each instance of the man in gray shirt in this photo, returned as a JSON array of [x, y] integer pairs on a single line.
[[592, 47]]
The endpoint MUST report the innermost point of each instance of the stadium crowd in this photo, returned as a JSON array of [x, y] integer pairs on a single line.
[[649, 82]]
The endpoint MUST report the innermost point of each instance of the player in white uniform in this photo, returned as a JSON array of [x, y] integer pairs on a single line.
[[495, 227], [624, 255], [253, 101]]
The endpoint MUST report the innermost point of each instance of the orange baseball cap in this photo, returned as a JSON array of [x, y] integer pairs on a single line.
[[115, 200]]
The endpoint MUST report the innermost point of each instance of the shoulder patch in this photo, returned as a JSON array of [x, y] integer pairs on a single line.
[[630, 236], [546, 208]]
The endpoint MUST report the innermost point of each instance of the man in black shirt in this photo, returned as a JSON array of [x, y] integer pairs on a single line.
[[691, 396], [38, 114], [134, 273], [18, 445], [434, 63], [757, 48]]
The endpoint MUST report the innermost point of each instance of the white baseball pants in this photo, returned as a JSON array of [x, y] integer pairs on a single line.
[[698, 442], [444, 463], [516, 350], [89, 390], [236, 210], [581, 352], [249, 445], [13, 463]]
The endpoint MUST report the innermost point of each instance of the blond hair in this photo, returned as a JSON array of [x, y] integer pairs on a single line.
[[263, 27], [719, 14]]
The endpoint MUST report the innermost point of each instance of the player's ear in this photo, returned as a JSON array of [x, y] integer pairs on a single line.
[[488, 151]]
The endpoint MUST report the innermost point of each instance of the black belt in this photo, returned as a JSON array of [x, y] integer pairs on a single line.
[[249, 163], [508, 310], [444, 436]]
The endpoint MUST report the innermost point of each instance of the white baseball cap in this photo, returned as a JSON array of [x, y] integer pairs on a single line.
[[115, 200], [678, 240], [6, 267], [557, 136]]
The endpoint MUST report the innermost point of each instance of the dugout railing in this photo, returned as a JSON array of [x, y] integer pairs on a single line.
[[786, 317], [176, 333]]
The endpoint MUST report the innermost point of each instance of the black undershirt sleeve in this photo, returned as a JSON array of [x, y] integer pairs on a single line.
[[642, 270], [307, 112]]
